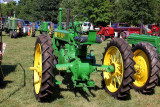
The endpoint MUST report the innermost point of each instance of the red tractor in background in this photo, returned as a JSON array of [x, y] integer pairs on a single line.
[[120, 30], [154, 30], [105, 32]]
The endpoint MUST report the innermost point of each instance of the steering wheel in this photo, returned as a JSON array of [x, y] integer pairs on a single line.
[[79, 24]]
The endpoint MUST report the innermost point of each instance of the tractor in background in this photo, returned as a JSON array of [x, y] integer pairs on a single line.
[[154, 30], [106, 32], [45, 28], [118, 30], [14, 27]]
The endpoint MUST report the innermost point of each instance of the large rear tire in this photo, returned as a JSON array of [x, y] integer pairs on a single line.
[[44, 62], [147, 67], [118, 54]]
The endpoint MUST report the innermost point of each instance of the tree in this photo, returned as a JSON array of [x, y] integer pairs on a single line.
[[131, 11], [99, 11], [34, 10], [7, 8], [65, 4]]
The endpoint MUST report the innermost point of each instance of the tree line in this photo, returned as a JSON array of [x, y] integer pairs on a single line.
[[100, 12]]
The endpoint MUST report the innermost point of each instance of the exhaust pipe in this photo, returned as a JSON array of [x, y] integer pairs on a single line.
[[68, 18], [60, 17], [141, 26]]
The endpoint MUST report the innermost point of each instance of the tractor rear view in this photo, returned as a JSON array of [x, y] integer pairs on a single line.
[[68, 52], [14, 27], [45, 28]]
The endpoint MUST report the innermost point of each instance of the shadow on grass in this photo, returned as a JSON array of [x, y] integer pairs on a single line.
[[68, 82], [8, 69], [5, 70]]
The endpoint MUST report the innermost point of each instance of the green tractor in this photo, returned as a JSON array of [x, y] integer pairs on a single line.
[[13, 26], [146, 55], [67, 52], [43, 28]]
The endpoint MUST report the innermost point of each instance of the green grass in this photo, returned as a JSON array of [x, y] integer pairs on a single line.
[[18, 89]]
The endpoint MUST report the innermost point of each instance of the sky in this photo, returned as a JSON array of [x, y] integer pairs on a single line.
[[13, 0]]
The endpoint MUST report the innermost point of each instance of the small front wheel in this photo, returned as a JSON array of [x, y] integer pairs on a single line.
[[11, 33], [15, 34]]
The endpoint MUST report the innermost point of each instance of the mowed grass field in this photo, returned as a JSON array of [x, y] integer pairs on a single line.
[[18, 82]]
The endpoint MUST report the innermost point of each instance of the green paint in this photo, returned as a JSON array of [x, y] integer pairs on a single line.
[[11, 23], [60, 17], [43, 27], [73, 57], [154, 40]]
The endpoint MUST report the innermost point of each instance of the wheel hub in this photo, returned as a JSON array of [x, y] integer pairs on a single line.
[[113, 80], [37, 68], [141, 67]]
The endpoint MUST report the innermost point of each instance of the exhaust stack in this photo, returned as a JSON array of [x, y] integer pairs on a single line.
[[60, 17], [141, 26]]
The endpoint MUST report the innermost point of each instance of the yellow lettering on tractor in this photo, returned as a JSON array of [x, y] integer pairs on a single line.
[[60, 35], [55, 34]]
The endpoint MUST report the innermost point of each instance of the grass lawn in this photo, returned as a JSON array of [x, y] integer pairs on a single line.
[[18, 89]]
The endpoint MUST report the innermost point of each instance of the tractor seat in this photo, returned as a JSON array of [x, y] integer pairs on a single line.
[[83, 39]]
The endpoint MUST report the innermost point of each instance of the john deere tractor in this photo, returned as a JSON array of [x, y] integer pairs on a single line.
[[43, 28], [68, 52], [13, 26], [146, 55]]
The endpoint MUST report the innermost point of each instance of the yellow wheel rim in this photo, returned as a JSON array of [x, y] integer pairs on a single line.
[[17, 28], [113, 80], [142, 68], [38, 70], [50, 30]]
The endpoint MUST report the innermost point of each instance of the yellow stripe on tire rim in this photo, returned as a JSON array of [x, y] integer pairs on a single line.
[[38, 70], [50, 30], [113, 80], [142, 68]]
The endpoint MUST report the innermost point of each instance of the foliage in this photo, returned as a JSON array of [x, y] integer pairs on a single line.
[[7, 8], [99, 11], [132, 11], [38, 9], [72, 4]]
